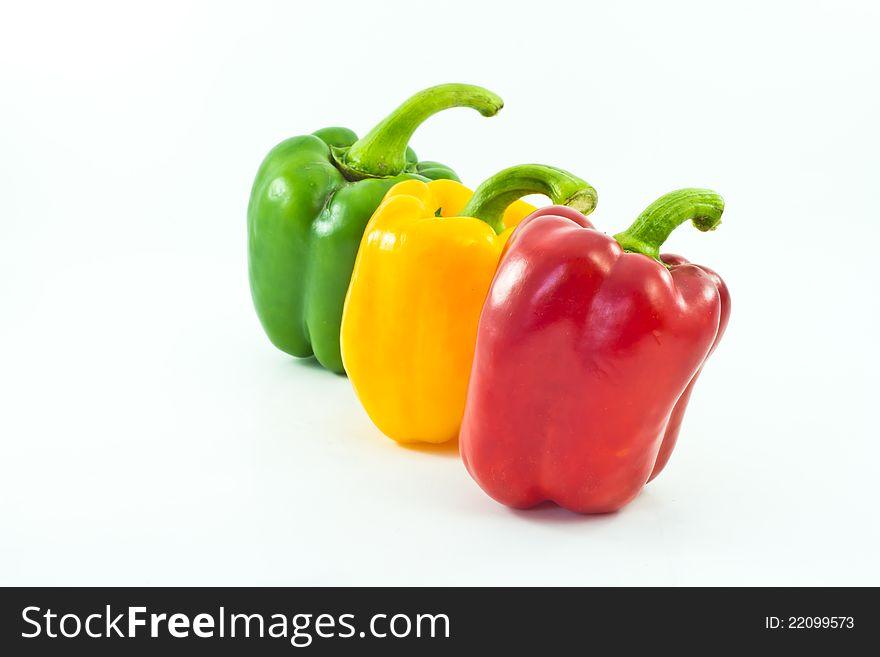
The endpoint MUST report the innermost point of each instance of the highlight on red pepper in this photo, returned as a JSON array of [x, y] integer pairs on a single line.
[[587, 351]]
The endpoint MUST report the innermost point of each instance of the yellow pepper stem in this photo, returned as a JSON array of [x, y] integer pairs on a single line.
[[494, 195]]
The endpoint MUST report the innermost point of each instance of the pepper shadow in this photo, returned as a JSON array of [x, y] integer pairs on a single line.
[[447, 450], [550, 513], [359, 425], [311, 363]]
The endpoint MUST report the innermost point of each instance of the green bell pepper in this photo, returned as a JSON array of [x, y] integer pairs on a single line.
[[309, 206]]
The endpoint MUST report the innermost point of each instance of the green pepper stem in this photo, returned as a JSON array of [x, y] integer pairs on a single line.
[[382, 152], [494, 195], [703, 207]]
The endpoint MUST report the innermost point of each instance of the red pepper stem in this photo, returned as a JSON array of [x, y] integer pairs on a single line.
[[494, 195], [702, 207], [382, 151]]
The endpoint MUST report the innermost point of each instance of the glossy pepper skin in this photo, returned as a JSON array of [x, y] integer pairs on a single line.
[[587, 350], [310, 201], [418, 285]]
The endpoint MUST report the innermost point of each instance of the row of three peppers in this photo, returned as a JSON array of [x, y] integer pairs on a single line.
[[562, 357]]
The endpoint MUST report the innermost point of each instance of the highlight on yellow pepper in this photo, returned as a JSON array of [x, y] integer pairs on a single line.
[[426, 260]]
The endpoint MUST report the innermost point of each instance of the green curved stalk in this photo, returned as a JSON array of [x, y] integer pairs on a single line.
[[494, 195], [646, 235], [382, 151]]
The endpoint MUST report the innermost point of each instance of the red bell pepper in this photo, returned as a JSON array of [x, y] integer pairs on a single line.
[[587, 351]]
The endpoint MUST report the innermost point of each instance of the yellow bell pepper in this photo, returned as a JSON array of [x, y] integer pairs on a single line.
[[426, 260]]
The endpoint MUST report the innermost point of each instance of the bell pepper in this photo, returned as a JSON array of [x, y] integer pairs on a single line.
[[424, 266], [587, 351], [312, 197]]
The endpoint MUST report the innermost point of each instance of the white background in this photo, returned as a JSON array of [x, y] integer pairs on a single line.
[[152, 435]]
